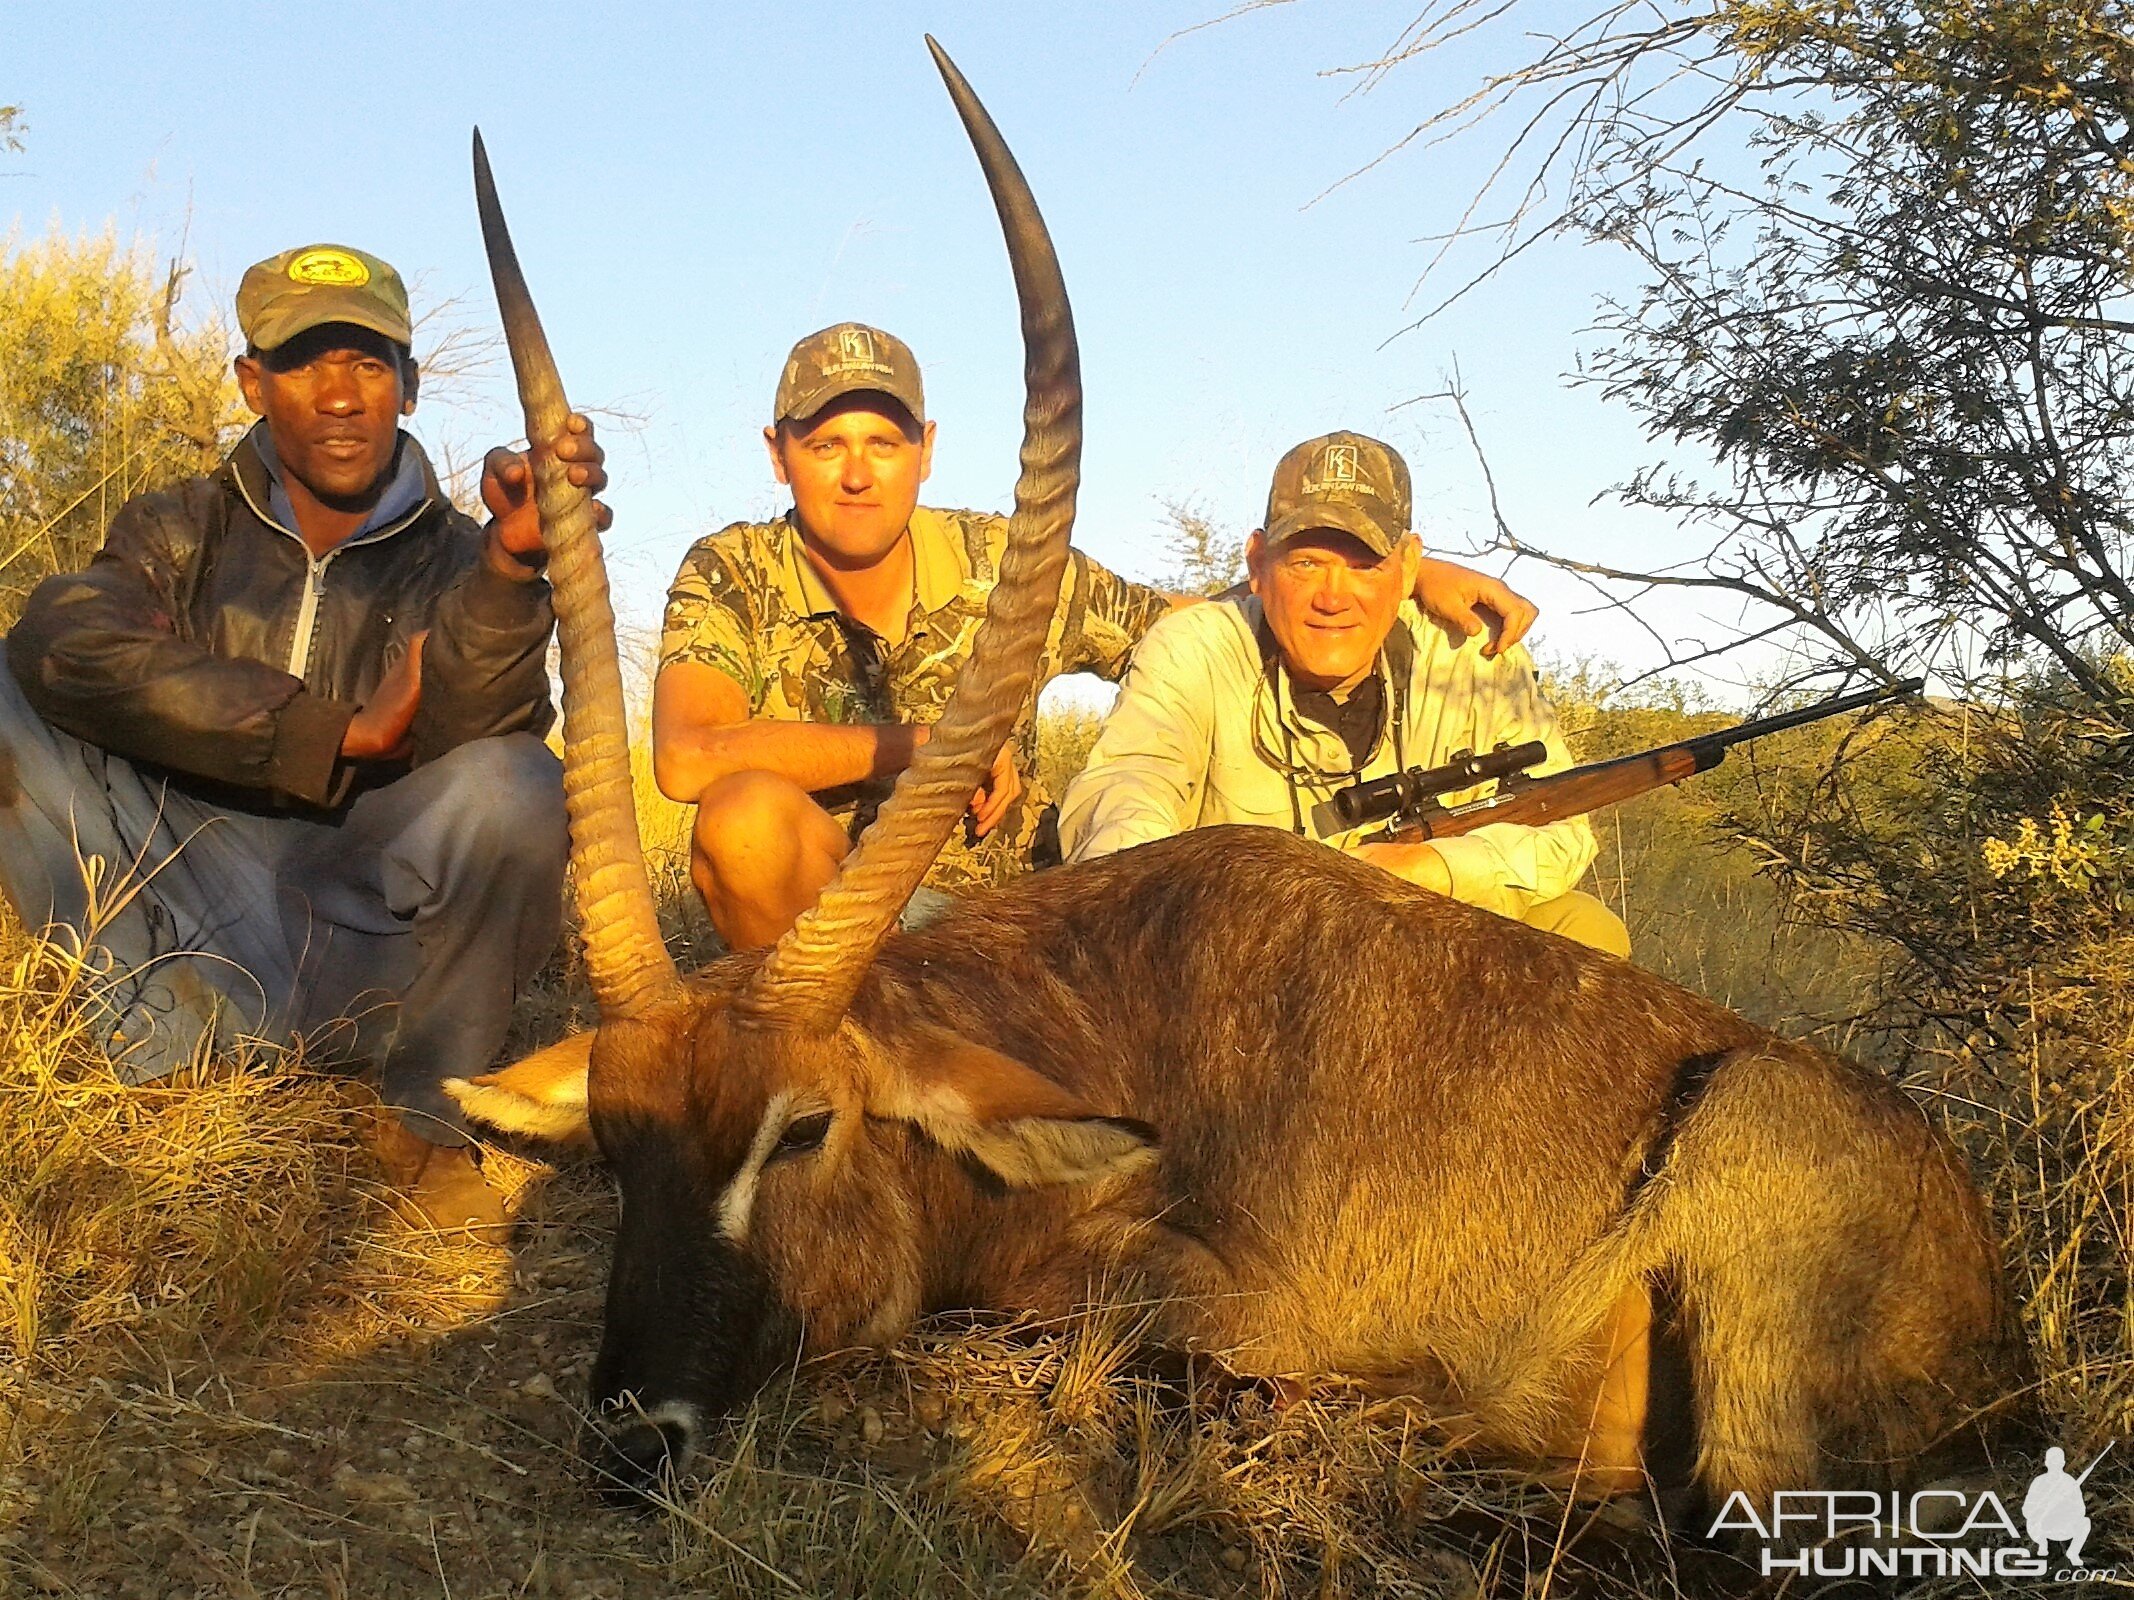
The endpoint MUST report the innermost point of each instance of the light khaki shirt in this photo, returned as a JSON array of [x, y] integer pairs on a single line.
[[1205, 728]]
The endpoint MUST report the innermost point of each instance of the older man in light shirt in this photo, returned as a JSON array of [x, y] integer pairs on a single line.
[[1256, 710]]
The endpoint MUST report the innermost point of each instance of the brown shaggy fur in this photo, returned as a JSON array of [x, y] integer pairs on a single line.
[[1396, 1136]]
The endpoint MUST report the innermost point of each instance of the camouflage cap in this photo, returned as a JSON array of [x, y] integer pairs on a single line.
[[1343, 481], [847, 359], [298, 290]]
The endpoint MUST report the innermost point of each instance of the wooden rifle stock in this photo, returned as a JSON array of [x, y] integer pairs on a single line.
[[1535, 802]]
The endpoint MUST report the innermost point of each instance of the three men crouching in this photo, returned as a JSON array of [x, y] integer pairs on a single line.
[[299, 703]]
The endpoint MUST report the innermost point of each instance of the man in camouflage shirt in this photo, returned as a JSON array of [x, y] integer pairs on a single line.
[[803, 661]]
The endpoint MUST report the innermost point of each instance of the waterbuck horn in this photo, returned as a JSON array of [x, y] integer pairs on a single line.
[[624, 955], [810, 976]]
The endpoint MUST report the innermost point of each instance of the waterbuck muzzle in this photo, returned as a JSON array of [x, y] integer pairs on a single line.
[[677, 1355]]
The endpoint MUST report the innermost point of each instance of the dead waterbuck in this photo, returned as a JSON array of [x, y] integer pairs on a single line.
[[1324, 1121]]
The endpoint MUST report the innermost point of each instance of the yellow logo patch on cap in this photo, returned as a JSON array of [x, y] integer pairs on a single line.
[[329, 268]]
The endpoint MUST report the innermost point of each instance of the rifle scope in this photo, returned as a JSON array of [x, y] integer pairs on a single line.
[[1378, 798]]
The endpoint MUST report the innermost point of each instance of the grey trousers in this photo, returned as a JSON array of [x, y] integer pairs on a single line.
[[397, 931]]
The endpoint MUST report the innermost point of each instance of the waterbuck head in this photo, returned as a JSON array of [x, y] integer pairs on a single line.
[[772, 1148]]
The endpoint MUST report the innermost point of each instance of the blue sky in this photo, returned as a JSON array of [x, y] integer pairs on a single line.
[[692, 188]]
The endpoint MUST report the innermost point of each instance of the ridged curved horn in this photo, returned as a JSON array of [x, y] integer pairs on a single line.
[[810, 976], [625, 957]]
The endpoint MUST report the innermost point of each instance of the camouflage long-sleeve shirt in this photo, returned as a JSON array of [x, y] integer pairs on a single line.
[[747, 602]]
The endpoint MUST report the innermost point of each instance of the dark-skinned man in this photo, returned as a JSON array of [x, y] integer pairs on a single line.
[[295, 709], [804, 660]]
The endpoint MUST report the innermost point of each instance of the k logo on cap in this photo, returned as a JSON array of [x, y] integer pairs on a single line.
[[847, 358], [1347, 482]]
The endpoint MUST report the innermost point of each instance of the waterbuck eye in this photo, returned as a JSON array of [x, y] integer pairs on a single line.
[[802, 1135]]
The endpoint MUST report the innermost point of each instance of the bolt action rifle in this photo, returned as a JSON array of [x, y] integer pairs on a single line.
[[1409, 800]]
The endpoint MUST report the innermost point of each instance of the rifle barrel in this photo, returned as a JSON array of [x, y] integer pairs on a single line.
[[1578, 790], [1758, 727]]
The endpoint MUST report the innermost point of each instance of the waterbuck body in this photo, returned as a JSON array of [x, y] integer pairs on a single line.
[[1319, 1120], [1340, 1125]]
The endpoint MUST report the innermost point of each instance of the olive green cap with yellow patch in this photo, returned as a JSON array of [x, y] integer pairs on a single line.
[[1343, 481], [298, 290], [847, 359]]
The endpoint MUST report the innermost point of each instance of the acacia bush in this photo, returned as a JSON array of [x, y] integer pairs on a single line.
[[104, 392], [1880, 344]]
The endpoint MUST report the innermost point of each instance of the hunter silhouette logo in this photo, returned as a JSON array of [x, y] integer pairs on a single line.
[[1339, 466], [333, 269], [2053, 1509]]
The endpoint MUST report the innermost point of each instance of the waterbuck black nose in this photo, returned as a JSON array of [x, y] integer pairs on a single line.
[[638, 1460]]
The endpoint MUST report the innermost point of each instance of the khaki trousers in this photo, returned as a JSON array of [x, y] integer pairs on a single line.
[[1577, 915]]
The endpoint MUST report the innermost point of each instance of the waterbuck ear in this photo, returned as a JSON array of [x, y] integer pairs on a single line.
[[541, 1097], [1019, 1124]]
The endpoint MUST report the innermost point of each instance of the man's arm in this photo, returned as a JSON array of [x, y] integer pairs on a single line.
[[98, 654], [704, 708], [1145, 774], [702, 731], [1468, 602], [1102, 616], [484, 668]]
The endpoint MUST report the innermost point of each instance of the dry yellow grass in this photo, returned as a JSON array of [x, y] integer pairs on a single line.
[[229, 1369]]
